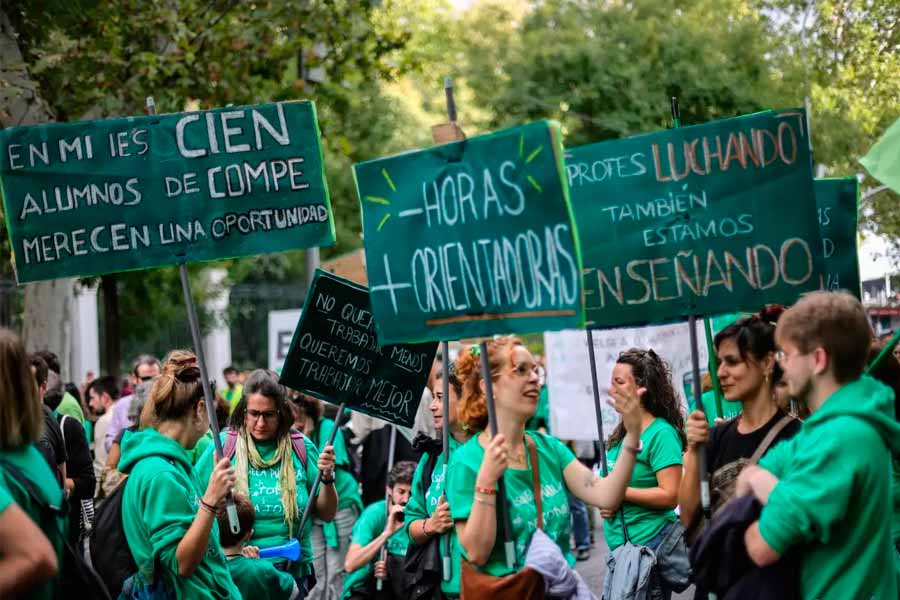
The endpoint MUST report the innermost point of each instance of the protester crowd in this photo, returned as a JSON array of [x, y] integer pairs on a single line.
[[114, 488]]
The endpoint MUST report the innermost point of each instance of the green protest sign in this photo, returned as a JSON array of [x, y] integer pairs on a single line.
[[335, 355], [97, 197], [471, 238], [837, 201], [696, 220]]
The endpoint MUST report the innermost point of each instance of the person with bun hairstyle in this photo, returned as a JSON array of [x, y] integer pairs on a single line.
[[476, 467], [168, 518], [428, 513], [748, 372], [652, 491], [275, 474]]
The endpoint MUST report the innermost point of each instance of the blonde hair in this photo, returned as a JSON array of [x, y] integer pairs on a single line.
[[21, 412], [175, 392], [471, 407]]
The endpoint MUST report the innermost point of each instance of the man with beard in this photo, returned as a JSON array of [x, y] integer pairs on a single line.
[[826, 493], [104, 395]]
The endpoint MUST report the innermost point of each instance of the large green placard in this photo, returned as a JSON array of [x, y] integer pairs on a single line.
[[698, 220], [96, 197], [471, 238], [837, 199]]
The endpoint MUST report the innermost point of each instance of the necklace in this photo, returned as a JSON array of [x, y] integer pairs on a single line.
[[517, 459]]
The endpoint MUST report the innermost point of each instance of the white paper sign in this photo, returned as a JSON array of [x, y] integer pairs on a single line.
[[282, 324], [572, 415]]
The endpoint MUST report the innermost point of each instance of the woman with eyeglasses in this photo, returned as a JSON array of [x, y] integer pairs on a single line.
[[477, 466], [275, 467], [652, 493], [168, 518]]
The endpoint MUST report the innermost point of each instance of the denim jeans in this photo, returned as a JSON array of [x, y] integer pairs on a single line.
[[580, 526], [658, 589]]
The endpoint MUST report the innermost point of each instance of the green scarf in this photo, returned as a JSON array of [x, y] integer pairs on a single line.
[[246, 454]]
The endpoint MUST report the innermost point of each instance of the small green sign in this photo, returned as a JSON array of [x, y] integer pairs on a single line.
[[335, 355], [98, 197], [697, 220], [472, 238], [837, 199]]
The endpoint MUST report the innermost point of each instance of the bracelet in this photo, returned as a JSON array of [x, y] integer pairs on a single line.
[[208, 508], [425, 528], [485, 490], [488, 502]]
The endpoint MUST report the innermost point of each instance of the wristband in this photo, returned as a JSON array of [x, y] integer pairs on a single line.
[[488, 502], [327, 480], [485, 490]]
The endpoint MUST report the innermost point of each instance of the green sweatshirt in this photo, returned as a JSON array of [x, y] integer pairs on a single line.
[[159, 505], [834, 495]]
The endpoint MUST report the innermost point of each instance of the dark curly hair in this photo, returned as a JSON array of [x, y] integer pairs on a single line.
[[755, 336], [653, 373]]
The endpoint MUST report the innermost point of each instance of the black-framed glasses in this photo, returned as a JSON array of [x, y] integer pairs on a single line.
[[267, 415]]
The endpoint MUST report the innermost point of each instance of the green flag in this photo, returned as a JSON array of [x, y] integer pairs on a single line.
[[883, 159]]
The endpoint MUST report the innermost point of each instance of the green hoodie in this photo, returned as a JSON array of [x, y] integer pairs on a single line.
[[160, 502], [833, 499]]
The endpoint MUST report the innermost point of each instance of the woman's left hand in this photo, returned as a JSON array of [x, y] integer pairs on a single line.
[[326, 461]]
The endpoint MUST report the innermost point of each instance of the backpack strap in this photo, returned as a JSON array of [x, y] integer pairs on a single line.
[[535, 480], [230, 443], [299, 446], [770, 437], [30, 488]]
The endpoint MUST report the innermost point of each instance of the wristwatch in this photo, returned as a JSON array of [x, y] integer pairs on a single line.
[[327, 479]]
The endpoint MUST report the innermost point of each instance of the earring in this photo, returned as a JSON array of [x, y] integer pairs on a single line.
[[767, 378]]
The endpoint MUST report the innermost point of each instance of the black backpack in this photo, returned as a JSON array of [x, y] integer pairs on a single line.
[[88, 583], [110, 553]]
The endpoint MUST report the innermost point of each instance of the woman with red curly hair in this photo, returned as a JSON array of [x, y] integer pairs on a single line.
[[476, 467]]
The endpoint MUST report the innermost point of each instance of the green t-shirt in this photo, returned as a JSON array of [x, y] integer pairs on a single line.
[[32, 464], [344, 483], [197, 452], [258, 579], [553, 458], [662, 448], [270, 528], [368, 527], [423, 500]]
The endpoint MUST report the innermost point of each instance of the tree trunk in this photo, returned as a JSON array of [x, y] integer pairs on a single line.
[[112, 341], [47, 322]]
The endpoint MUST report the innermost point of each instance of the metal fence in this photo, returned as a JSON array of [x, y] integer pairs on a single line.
[[248, 317]]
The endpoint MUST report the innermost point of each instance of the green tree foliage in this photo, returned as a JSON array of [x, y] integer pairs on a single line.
[[608, 71]]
